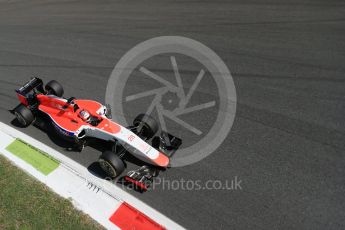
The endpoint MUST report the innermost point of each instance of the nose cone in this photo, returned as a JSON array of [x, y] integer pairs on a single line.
[[162, 160]]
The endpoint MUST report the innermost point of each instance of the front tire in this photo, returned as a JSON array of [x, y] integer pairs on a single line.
[[111, 164], [147, 125], [24, 115], [55, 88]]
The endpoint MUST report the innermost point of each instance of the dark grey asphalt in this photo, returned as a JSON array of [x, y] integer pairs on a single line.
[[287, 59]]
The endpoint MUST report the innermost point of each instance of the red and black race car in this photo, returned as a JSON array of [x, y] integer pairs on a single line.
[[78, 119]]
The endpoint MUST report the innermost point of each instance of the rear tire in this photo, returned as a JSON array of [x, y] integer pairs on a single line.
[[111, 164], [24, 115], [55, 88], [148, 125]]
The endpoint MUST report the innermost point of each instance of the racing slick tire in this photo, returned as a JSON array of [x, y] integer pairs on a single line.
[[55, 88], [111, 164], [149, 125], [24, 115]]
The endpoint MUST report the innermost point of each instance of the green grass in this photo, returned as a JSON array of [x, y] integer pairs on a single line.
[[27, 204]]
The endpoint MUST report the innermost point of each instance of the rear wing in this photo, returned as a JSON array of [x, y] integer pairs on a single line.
[[35, 85]]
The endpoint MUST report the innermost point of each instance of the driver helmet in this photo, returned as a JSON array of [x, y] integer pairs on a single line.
[[85, 115]]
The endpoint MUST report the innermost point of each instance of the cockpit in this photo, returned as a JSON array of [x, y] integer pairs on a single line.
[[88, 118]]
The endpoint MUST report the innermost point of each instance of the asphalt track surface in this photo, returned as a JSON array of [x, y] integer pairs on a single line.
[[287, 60]]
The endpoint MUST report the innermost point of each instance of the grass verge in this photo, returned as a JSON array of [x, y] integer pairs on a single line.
[[28, 204]]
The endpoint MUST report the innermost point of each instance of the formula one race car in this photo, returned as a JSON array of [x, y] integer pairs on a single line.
[[77, 120]]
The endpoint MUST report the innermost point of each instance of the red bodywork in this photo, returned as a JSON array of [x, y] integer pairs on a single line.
[[68, 119]]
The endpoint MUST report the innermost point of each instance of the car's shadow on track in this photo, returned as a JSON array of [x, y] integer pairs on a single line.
[[16, 123], [48, 129]]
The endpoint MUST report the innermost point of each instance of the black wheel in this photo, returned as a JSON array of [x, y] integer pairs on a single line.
[[24, 115], [55, 88], [111, 164], [147, 125]]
